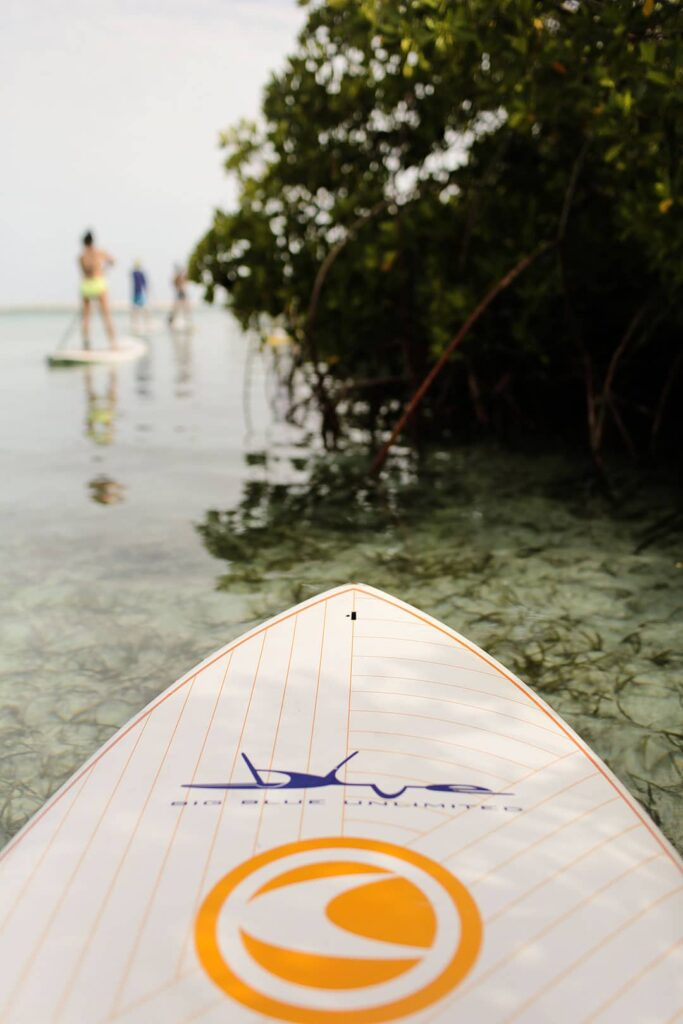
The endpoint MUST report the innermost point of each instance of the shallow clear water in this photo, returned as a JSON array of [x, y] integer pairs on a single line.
[[115, 491]]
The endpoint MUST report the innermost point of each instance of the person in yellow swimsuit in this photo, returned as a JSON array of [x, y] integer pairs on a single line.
[[93, 263]]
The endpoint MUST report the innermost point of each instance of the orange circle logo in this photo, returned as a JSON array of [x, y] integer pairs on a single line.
[[331, 930]]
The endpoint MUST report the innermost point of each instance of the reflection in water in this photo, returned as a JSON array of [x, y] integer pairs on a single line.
[[281, 518], [276, 365], [182, 351], [100, 427], [143, 373], [100, 417], [106, 491], [281, 359]]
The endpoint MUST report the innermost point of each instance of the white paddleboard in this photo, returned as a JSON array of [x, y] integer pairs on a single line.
[[349, 815], [128, 349]]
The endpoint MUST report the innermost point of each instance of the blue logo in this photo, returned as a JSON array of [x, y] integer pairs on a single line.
[[306, 780]]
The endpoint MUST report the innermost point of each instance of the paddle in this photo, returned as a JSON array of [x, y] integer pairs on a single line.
[[69, 331]]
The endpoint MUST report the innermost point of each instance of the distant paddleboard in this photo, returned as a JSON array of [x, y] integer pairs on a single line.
[[349, 815], [128, 349]]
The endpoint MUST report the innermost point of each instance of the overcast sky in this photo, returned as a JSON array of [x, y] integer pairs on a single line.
[[109, 118]]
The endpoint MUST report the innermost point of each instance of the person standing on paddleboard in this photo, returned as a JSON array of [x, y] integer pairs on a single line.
[[181, 303], [93, 263]]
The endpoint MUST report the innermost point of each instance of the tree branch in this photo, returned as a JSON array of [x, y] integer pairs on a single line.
[[412, 405], [606, 396], [571, 189], [664, 398], [327, 405], [327, 263]]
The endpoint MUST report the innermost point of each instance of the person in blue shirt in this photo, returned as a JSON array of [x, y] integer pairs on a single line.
[[139, 317]]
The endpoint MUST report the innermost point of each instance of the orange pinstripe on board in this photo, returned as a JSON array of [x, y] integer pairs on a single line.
[[220, 815], [41, 859], [110, 888], [514, 782], [434, 739], [348, 712], [208, 858], [506, 780], [450, 721], [66, 888], [313, 716], [116, 1011], [598, 945], [633, 980], [451, 686], [277, 731], [461, 704], [509, 957], [528, 810], [426, 661], [169, 846], [381, 824], [556, 874], [542, 839]]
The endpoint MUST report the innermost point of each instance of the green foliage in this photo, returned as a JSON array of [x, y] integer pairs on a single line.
[[487, 128]]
